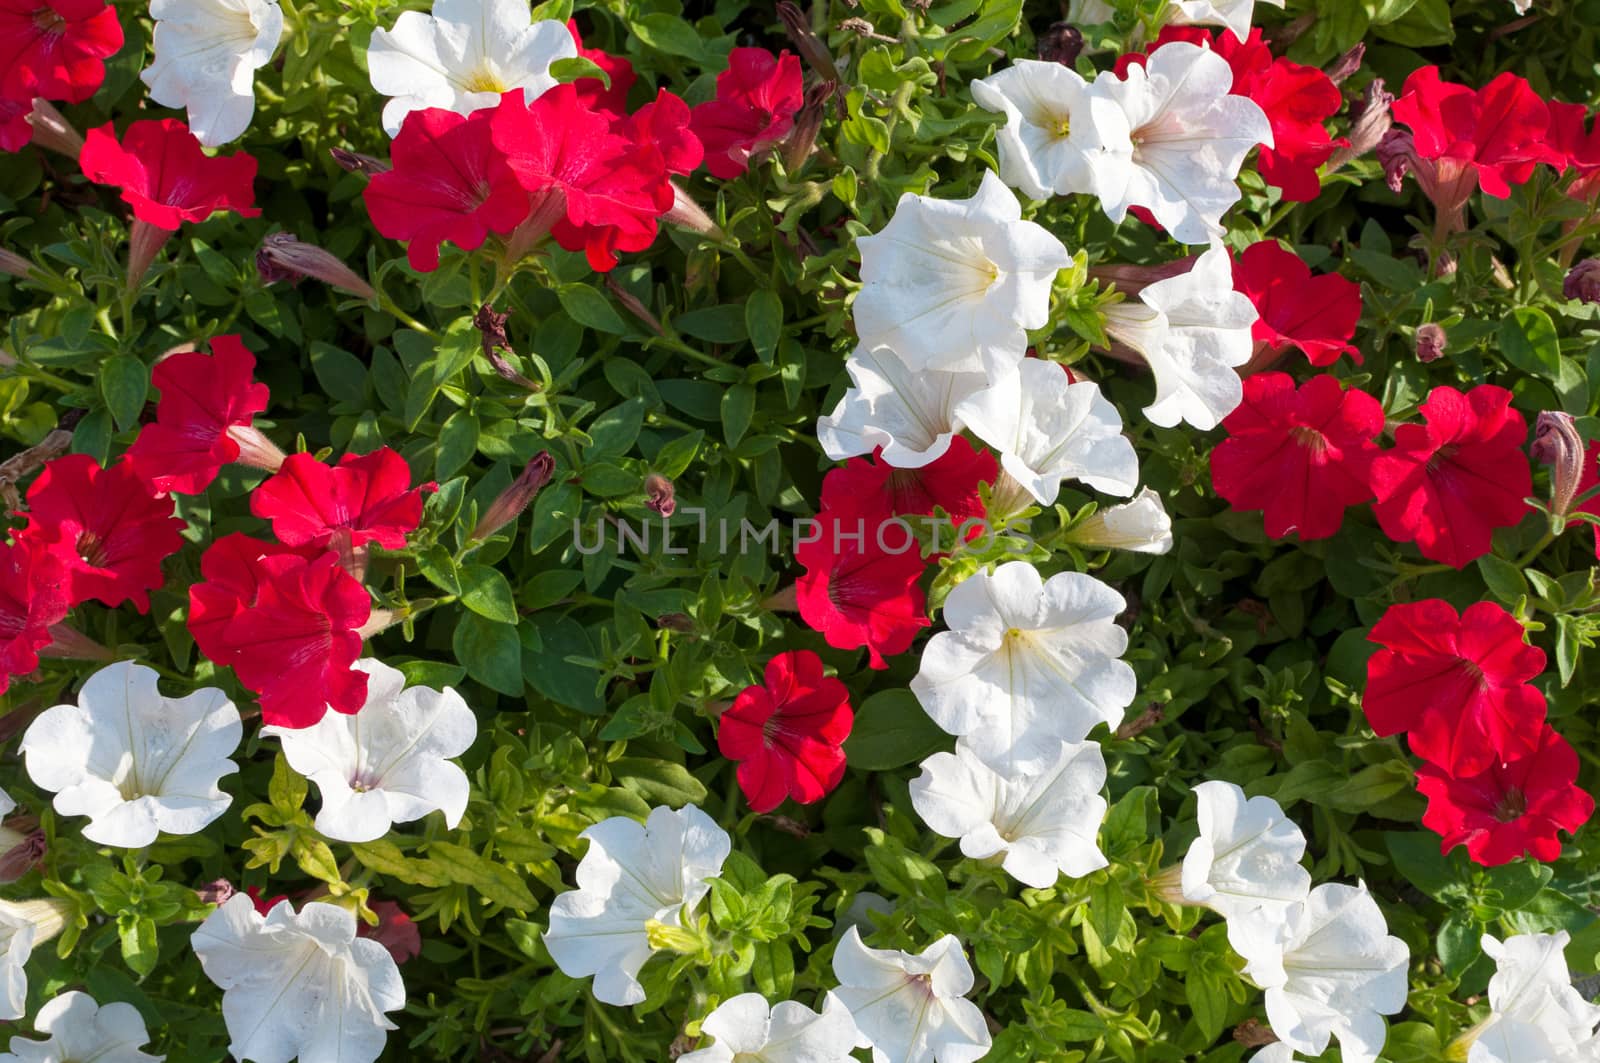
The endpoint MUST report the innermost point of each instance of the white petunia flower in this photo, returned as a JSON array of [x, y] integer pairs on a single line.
[[135, 762], [299, 983], [464, 56], [1190, 137], [1234, 14], [747, 1031], [1027, 664], [1330, 969], [80, 1031], [24, 925], [1048, 430], [1047, 824], [911, 1008], [909, 413], [1532, 1002], [1141, 526], [1193, 330], [1247, 856], [632, 875], [1061, 136], [955, 284], [207, 53], [388, 763], [1274, 1053]]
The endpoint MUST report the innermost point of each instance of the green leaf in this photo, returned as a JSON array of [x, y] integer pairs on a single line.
[[578, 68], [738, 408], [487, 592], [670, 34], [658, 782], [588, 307], [140, 948], [458, 442], [892, 730], [716, 324], [495, 881], [613, 432], [675, 455], [490, 652], [1503, 579], [763, 320], [1529, 341], [124, 383], [1416, 856]]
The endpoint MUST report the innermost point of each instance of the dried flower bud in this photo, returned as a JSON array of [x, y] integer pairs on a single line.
[[634, 305], [1430, 342], [218, 892], [22, 847], [1583, 281], [1370, 121], [682, 623], [806, 42], [516, 498], [355, 162], [659, 494], [14, 265], [1061, 43], [1132, 280], [1347, 64], [492, 324], [52, 130], [1556, 443], [283, 257], [1397, 154], [802, 139]]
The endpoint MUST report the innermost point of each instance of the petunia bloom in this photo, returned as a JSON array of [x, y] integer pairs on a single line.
[[299, 983], [77, 1028], [1535, 1012], [203, 420], [1246, 862], [1046, 823], [757, 97], [390, 763], [633, 874], [1234, 14], [55, 48], [366, 498], [463, 57], [33, 598], [950, 482], [1301, 456], [206, 56], [105, 526], [1316, 314], [911, 1006], [955, 284], [288, 625], [24, 926], [610, 93], [135, 762], [449, 182], [1027, 664], [860, 584], [786, 733], [165, 177], [1141, 526], [1577, 139], [1494, 136], [1513, 807], [744, 1028], [1448, 484], [1049, 429], [1330, 969], [1457, 685], [908, 413]]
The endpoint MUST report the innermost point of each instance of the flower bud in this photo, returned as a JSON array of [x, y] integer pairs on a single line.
[[1132, 280], [1583, 282], [634, 305], [1370, 121], [45, 918], [284, 258], [255, 449], [492, 324], [355, 162], [22, 847], [802, 139], [1430, 342], [1141, 526], [219, 891], [514, 499], [144, 244], [1061, 43], [1556, 443], [1397, 154], [682, 623], [1347, 64], [685, 213], [52, 130], [14, 265], [68, 643], [806, 42], [659, 495]]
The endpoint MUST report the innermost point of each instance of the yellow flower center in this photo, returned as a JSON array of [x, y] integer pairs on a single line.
[[484, 80]]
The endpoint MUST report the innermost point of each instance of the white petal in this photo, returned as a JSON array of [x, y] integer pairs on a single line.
[[1247, 855], [911, 1007], [1058, 137], [910, 414], [206, 55]]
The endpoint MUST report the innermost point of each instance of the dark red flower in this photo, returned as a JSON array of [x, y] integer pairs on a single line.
[[879, 491], [860, 586], [1317, 314], [604, 187], [16, 132], [366, 498], [1302, 457], [593, 91], [664, 122], [107, 529], [33, 596], [1457, 685], [203, 419], [1497, 134], [757, 97], [263, 904], [1577, 140], [395, 931], [1448, 484], [1512, 807], [449, 182], [787, 734], [287, 621], [55, 48], [165, 176]]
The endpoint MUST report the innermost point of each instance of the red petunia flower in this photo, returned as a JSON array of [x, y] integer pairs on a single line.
[[396, 931], [55, 48], [1449, 484], [603, 185], [1577, 141], [787, 733], [860, 591], [1457, 685], [203, 419], [105, 527], [16, 132], [876, 490], [33, 597], [449, 182], [1297, 99], [1317, 314], [593, 91], [757, 98], [1512, 807], [287, 621], [664, 122], [164, 174], [1496, 135], [364, 499], [1302, 457]]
